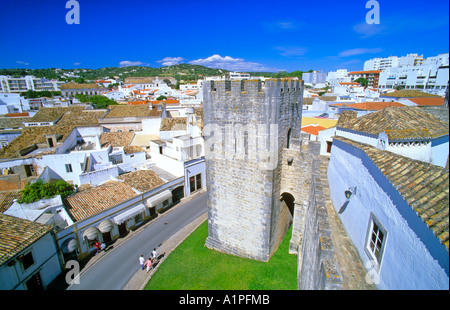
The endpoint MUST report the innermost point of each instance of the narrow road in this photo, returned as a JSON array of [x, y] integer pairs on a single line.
[[114, 270]]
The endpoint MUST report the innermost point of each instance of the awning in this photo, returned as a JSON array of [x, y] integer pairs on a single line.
[[91, 233], [69, 245], [105, 226], [119, 219], [157, 199]]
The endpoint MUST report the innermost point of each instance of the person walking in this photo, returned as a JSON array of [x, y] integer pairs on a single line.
[[148, 263], [154, 255], [142, 261]]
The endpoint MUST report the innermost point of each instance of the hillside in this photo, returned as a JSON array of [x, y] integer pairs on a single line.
[[179, 72]]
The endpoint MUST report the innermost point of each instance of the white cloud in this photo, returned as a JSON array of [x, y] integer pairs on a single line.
[[230, 63], [127, 63], [360, 51], [280, 26], [23, 63], [170, 61], [367, 30], [77, 63], [291, 50]]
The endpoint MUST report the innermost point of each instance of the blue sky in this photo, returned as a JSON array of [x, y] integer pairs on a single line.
[[236, 35]]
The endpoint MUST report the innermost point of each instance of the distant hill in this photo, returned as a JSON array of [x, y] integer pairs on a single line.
[[179, 72]]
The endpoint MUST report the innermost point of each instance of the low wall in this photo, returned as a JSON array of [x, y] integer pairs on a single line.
[[317, 266]]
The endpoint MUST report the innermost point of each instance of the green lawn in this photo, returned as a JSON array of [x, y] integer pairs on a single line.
[[192, 266]]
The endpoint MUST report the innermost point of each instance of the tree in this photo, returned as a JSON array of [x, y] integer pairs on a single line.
[[98, 101], [161, 98], [42, 190], [362, 81]]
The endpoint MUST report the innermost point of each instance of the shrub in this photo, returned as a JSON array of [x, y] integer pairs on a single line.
[[42, 190]]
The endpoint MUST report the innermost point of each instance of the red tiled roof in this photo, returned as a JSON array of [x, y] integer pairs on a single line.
[[93, 200], [428, 101], [374, 105], [313, 129], [364, 72]]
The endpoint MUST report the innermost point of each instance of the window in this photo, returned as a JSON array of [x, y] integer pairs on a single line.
[[192, 184], [198, 181], [376, 241], [138, 218], [27, 260], [68, 168]]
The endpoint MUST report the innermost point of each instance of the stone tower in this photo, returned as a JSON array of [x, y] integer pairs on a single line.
[[248, 125]]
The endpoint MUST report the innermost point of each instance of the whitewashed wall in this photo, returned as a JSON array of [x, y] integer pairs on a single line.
[[407, 263]]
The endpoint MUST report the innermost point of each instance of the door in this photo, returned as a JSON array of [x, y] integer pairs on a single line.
[[35, 283], [123, 229], [106, 237]]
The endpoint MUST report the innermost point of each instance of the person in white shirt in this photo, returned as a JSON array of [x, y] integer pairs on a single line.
[[142, 261], [154, 255]]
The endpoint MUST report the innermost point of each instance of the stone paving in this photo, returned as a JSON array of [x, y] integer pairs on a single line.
[[351, 267]]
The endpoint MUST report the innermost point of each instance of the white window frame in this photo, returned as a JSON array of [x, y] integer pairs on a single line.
[[374, 228]]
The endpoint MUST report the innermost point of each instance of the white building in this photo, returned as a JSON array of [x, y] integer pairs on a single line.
[[393, 225], [393, 62], [431, 78], [389, 187], [316, 78], [336, 77], [407, 131], [10, 84], [45, 211], [13, 103], [29, 257]]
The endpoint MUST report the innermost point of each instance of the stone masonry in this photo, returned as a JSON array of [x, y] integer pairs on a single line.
[[248, 127], [263, 175]]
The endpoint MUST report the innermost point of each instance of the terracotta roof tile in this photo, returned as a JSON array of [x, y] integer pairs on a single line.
[[116, 139], [132, 111], [408, 93], [17, 234], [72, 85], [142, 180], [428, 101], [314, 130], [398, 123], [92, 200]]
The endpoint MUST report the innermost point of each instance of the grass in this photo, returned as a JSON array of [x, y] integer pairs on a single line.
[[192, 266]]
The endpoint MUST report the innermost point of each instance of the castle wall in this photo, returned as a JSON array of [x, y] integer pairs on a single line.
[[246, 129]]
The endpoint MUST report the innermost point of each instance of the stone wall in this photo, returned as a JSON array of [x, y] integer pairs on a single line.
[[317, 266]]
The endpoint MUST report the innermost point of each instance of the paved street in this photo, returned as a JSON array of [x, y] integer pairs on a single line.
[[117, 266]]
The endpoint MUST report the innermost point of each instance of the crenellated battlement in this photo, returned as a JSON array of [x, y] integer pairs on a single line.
[[253, 86]]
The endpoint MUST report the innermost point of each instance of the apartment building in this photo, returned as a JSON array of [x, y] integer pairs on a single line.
[[10, 84], [371, 76], [431, 77], [393, 62]]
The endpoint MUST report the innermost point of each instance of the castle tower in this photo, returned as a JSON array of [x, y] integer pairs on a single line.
[[248, 124]]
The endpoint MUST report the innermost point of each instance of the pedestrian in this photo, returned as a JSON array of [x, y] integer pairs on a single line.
[[97, 247], [154, 255], [142, 261], [148, 263]]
